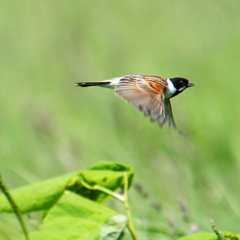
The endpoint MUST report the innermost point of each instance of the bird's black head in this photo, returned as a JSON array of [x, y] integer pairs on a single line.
[[180, 84]]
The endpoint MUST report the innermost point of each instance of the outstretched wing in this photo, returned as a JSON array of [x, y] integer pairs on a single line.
[[146, 93], [169, 120]]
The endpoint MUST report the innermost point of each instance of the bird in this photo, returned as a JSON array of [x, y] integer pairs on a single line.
[[150, 94]]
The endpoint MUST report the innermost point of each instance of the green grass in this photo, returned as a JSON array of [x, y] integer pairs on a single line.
[[49, 127]]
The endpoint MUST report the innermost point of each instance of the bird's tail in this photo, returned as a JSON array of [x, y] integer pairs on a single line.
[[89, 84]]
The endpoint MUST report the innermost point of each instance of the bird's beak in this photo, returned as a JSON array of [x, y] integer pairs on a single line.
[[190, 84]]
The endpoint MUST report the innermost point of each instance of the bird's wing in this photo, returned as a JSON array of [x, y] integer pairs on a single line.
[[146, 93], [169, 120]]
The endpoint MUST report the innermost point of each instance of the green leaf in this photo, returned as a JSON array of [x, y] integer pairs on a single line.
[[231, 236], [200, 236], [37, 197], [113, 228], [73, 218], [43, 195], [211, 236], [107, 175]]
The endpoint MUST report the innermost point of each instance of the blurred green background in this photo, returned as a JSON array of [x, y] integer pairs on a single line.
[[48, 127]]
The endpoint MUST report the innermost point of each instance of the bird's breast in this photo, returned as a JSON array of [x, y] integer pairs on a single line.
[[168, 94]]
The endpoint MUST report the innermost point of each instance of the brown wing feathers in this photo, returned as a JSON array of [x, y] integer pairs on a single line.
[[146, 93]]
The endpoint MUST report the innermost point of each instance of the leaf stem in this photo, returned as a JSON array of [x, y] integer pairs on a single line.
[[14, 206], [104, 190], [122, 198], [128, 210]]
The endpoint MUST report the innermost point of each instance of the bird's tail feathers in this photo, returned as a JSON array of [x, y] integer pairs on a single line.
[[89, 84]]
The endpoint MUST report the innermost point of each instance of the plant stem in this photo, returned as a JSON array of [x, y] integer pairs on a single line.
[[128, 210], [122, 198], [14, 206], [219, 234]]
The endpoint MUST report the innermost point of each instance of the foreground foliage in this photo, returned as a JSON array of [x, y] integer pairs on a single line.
[[72, 209]]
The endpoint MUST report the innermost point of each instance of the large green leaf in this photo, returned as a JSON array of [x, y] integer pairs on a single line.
[[43, 195], [37, 197], [73, 217]]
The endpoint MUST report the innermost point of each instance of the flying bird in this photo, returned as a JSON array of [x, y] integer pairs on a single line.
[[148, 93]]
